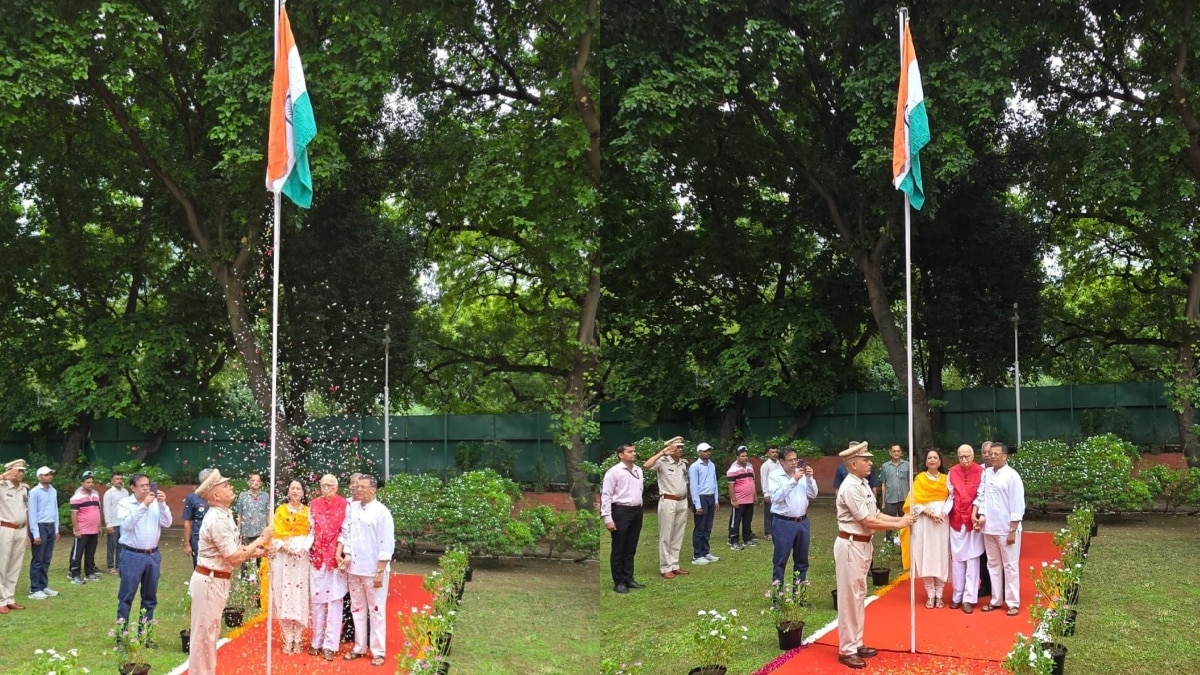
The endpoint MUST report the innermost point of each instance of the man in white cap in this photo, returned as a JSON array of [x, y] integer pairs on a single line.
[[14, 510], [43, 531], [220, 551], [702, 476], [672, 472], [858, 516]]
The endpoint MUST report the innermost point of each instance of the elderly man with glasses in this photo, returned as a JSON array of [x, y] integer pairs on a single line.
[[326, 581]]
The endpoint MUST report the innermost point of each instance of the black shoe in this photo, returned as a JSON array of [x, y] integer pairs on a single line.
[[634, 584], [620, 588]]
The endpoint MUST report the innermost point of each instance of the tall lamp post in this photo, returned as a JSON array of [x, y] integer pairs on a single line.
[[1017, 370], [387, 414]]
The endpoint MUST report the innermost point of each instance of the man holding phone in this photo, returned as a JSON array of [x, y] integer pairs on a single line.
[[792, 487], [142, 515]]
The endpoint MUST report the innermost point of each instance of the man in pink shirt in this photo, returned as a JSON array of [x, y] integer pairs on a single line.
[[85, 522], [621, 509], [742, 494]]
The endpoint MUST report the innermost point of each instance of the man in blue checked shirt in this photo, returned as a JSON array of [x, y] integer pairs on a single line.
[[143, 514], [702, 476], [792, 486], [43, 531]]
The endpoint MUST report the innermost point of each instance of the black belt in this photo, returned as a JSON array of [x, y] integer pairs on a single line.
[[801, 519], [628, 506], [147, 551]]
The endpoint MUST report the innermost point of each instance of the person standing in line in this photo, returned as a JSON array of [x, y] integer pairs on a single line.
[[219, 551], [143, 516], [85, 525], [621, 509], [742, 495], [253, 508], [966, 543], [112, 525], [672, 472], [702, 476], [858, 517], [14, 512], [893, 484], [985, 579], [43, 532], [365, 549], [289, 567], [327, 582], [926, 548], [194, 508], [769, 464], [999, 511], [792, 488]]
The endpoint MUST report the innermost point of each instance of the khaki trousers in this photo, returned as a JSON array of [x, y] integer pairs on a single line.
[[852, 561], [208, 601], [12, 558], [672, 522]]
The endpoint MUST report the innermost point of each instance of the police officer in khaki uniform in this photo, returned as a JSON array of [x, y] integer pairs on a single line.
[[672, 472], [858, 517], [14, 509]]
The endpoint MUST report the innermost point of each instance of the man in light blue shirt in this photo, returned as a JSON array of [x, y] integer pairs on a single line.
[[43, 530], [702, 476], [142, 515], [792, 486]]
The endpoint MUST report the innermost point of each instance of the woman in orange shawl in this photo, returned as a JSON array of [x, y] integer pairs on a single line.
[[289, 567], [928, 551]]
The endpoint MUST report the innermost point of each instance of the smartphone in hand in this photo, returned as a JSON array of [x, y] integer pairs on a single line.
[[154, 488]]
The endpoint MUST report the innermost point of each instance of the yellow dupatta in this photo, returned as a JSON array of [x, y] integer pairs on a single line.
[[924, 491]]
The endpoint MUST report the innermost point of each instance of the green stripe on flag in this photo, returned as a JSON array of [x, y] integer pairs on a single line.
[[298, 186], [918, 137]]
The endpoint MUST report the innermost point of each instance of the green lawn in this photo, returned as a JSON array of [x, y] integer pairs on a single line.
[[518, 616], [1138, 613]]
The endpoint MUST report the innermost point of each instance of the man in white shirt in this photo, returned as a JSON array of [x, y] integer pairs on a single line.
[[143, 516], [364, 550], [792, 489], [112, 524], [769, 464], [999, 510]]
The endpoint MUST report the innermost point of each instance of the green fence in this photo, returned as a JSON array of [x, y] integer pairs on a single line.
[[520, 446], [1136, 411]]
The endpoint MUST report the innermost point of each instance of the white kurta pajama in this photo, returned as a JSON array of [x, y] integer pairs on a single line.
[[1001, 501], [326, 582], [368, 537], [966, 544]]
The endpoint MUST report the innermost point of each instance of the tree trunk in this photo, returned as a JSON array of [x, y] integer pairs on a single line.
[[77, 439], [893, 341], [580, 393], [799, 421], [256, 371], [152, 447], [731, 417], [936, 387]]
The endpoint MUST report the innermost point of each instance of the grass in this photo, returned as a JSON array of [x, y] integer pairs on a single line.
[[518, 615], [1138, 604]]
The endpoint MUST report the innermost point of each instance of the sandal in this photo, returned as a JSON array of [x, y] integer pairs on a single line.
[[929, 603], [938, 603], [989, 607], [377, 661], [1013, 611], [351, 655]]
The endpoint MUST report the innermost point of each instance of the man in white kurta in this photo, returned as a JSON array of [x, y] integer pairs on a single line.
[[999, 510], [365, 548], [966, 543]]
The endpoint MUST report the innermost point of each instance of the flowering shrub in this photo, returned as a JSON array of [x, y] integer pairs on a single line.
[[1028, 657], [564, 531], [412, 499], [474, 512], [1049, 609], [453, 566], [717, 636], [1096, 471], [131, 640], [1080, 522], [1174, 487], [51, 662], [787, 604]]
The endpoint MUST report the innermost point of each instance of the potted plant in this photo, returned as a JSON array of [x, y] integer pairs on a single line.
[[422, 633], [1028, 657], [716, 638], [788, 608], [243, 592], [51, 662], [185, 608], [132, 643], [886, 558]]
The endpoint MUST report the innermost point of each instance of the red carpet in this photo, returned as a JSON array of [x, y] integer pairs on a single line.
[[246, 653], [948, 641]]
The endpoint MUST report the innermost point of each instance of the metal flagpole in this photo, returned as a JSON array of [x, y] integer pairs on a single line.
[[1017, 371], [912, 587], [275, 253], [387, 436]]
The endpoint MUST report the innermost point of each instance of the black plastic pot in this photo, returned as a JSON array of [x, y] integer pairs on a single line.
[[708, 670], [791, 635], [467, 576], [185, 640], [1059, 654], [234, 616], [881, 575]]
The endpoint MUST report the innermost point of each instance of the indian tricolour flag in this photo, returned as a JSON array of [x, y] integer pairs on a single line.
[[292, 122], [912, 126]]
